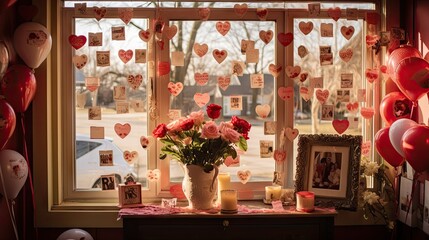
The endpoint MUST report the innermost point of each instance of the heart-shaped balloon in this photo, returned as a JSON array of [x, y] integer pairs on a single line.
[[340, 125], [7, 122], [398, 55], [397, 130], [122, 130], [19, 87], [412, 77], [415, 144], [244, 176], [385, 149], [395, 106]]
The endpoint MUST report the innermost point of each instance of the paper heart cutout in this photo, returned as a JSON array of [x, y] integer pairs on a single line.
[[334, 13], [99, 12], [244, 176], [223, 27], [204, 13], [285, 38], [293, 72], [177, 191], [347, 32], [125, 55], [80, 61], [305, 27], [220, 55], [153, 175], [305, 93], [135, 81], [223, 82], [340, 125], [263, 110], [371, 74], [170, 31], [122, 130], [145, 142], [27, 12], [266, 36], [303, 76], [125, 14], [302, 51], [145, 35], [201, 49], [77, 41], [322, 95], [262, 13], [131, 157], [285, 93], [232, 162], [274, 69], [279, 156], [201, 99], [201, 78], [240, 9], [353, 107], [175, 88], [367, 112], [163, 68], [346, 54], [291, 134]]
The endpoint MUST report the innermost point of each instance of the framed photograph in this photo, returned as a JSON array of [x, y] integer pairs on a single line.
[[130, 195], [328, 165]]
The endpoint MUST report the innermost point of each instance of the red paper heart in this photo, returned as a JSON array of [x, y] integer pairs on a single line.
[[305, 93], [371, 74], [291, 134], [145, 35], [322, 95], [274, 69], [77, 41], [201, 99], [223, 27], [262, 13], [201, 78], [175, 88], [220, 55], [340, 125], [201, 49], [347, 32], [99, 12], [204, 13], [285, 38], [334, 13], [305, 27], [135, 81], [122, 129], [293, 72], [303, 77], [125, 56], [346, 54], [240, 9], [223, 82], [285, 93], [367, 112], [279, 155], [352, 107]]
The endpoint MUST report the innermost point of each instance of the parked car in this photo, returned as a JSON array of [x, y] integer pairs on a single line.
[[88, 169]]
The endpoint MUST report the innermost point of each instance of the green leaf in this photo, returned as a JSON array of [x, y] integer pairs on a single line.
[[162, 156], [242, 143]]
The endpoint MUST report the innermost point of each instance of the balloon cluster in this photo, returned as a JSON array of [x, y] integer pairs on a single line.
[[403, 138]]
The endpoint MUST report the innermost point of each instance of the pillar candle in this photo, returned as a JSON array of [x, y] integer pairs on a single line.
[[228, 201], [223, 183], [305, 201], [273, 193]]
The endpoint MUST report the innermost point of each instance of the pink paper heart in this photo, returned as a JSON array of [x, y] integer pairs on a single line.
[[220, 55], [285, 93], [201, 78], [232, 162], [163, 68], [99, 12], [371, 74], [240, 9], [201, 99], [347, 32], [77, 41], [346, 54], [305, 27], [291, 134], [285, 38], [353, 107], [223, 82], [201, 49], [153, 175], [145, 142], [334, 13], [305, 93], [340, 125], [223, 27], [125, 56], [274, 69], [263, 110], [204, 13], [279, 156], [135, 81], [266, 36], [145, 35], [244, 176], [122, 130], [175, 88], [322, 95], [367, 112], [293, 72], [80, 61], [170, 31], [125, 14], [131, 157], [262, 13]]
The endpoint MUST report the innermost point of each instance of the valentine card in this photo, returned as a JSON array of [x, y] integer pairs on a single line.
[[236, 103], [95, 39], [347, 80], [103, 58], [118, 33], [256, 81], [141, 55]]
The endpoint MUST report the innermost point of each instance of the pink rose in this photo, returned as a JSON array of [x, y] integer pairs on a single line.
[[198, 117], [224, 125], [210, 130], [175, 126], [230, 135]]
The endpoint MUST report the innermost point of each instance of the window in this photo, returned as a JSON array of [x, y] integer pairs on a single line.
[[95, 105]]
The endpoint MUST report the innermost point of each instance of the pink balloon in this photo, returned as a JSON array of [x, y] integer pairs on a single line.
[[397, 130], [412, 77], [19, 87], [397, 56], [15, 171], [415, 144], [394, 106], [385, 149], [7, 122]]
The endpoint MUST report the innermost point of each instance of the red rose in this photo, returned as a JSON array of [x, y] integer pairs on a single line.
[[213, 111], [160, 131], [241, 125], [187, 124]]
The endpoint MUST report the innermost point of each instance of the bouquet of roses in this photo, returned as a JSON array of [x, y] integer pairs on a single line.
[[193, 140]]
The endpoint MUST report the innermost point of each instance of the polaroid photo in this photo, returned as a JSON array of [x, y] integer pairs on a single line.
[[347, 80], [79, 8], [352, 13], [397, 33], [316, 82], [425, 226], [95, 39], [407, 202], [137, 105], [103, 58], [118, 33], [96, 132], [343, 95], [326, 59], [94, 113], [119, 93], [130, 195], [361, 95], [178, 58], [106, 157], [122, 107], [266, 148], [108, 182], [174, 114], [270, 128], [236, 103], [327, 112], [326, 30], [246, 45], [257, 80], [140, 55], [384, 38], [252, 55], [313, 9], [238, 68]]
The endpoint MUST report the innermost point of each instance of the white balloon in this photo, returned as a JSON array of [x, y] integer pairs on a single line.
[[4, 58], [14, 169], [75, 234], [397, 130], [32, 42]]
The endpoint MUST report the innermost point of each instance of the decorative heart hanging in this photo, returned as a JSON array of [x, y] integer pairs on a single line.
[[334, 13], [303, 76], [347, 32], [353, 107], [131, 157], [204, 13], [291, 134], [279, 156], [340, 125], [263, 110], [244, 176], [232, 162], [223, 82], [305, 27], [322, 95], [367, 112], [145, 141], [293, 72], [145, 35], [285, 93], [223, 27], [122, 130], [77, 41], [163, 68], [99, 12], [125, 14], [220, 55], [170, 31], [80, 61], [240, 9], [305, 93], [125, 55], [135, 81], [274, 69], [201, 78], [153, 175], [346, 54], [371, 74], [266, 36], [175, 88], [201, 99], [201, 49], [285, 38], [262, 13]]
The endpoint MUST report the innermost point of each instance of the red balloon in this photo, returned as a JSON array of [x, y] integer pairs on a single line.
[[415, 144], [390, 86], [385, 148], [19, 87], [412, 77], [394, 106], [397, 56], [7, 122]]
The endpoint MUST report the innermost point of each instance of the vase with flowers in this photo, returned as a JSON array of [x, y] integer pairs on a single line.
[[201, 146]]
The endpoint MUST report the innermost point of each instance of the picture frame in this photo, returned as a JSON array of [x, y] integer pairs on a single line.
[[130, 195], [340, 154]]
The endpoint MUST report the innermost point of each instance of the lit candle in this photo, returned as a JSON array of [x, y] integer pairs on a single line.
[[223, 183], [273, 193], [305, 201], [228, 201]]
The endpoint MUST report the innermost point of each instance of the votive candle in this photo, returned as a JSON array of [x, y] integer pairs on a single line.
[[305, 201], [273, 193], [228, 201]]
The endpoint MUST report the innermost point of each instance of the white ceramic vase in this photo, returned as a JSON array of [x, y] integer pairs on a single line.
[[199, 187]]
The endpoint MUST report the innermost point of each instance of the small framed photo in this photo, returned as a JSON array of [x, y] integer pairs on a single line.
[[343, 95], [130, 195], [247, 45], [256, 80], [140, 55], [327, 112], [397, 33], [236, 103], [119, 93], [94, 113], [122, 107], [313, 9], [326, 59], [266, 148], [326, 30], [108, 182], [118, 33], [270, 128], [95, 39], [347, 80], [106, 157], [103, 58]]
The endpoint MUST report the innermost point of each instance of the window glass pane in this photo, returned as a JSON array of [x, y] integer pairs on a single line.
[[115, 104], [239, 98]]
